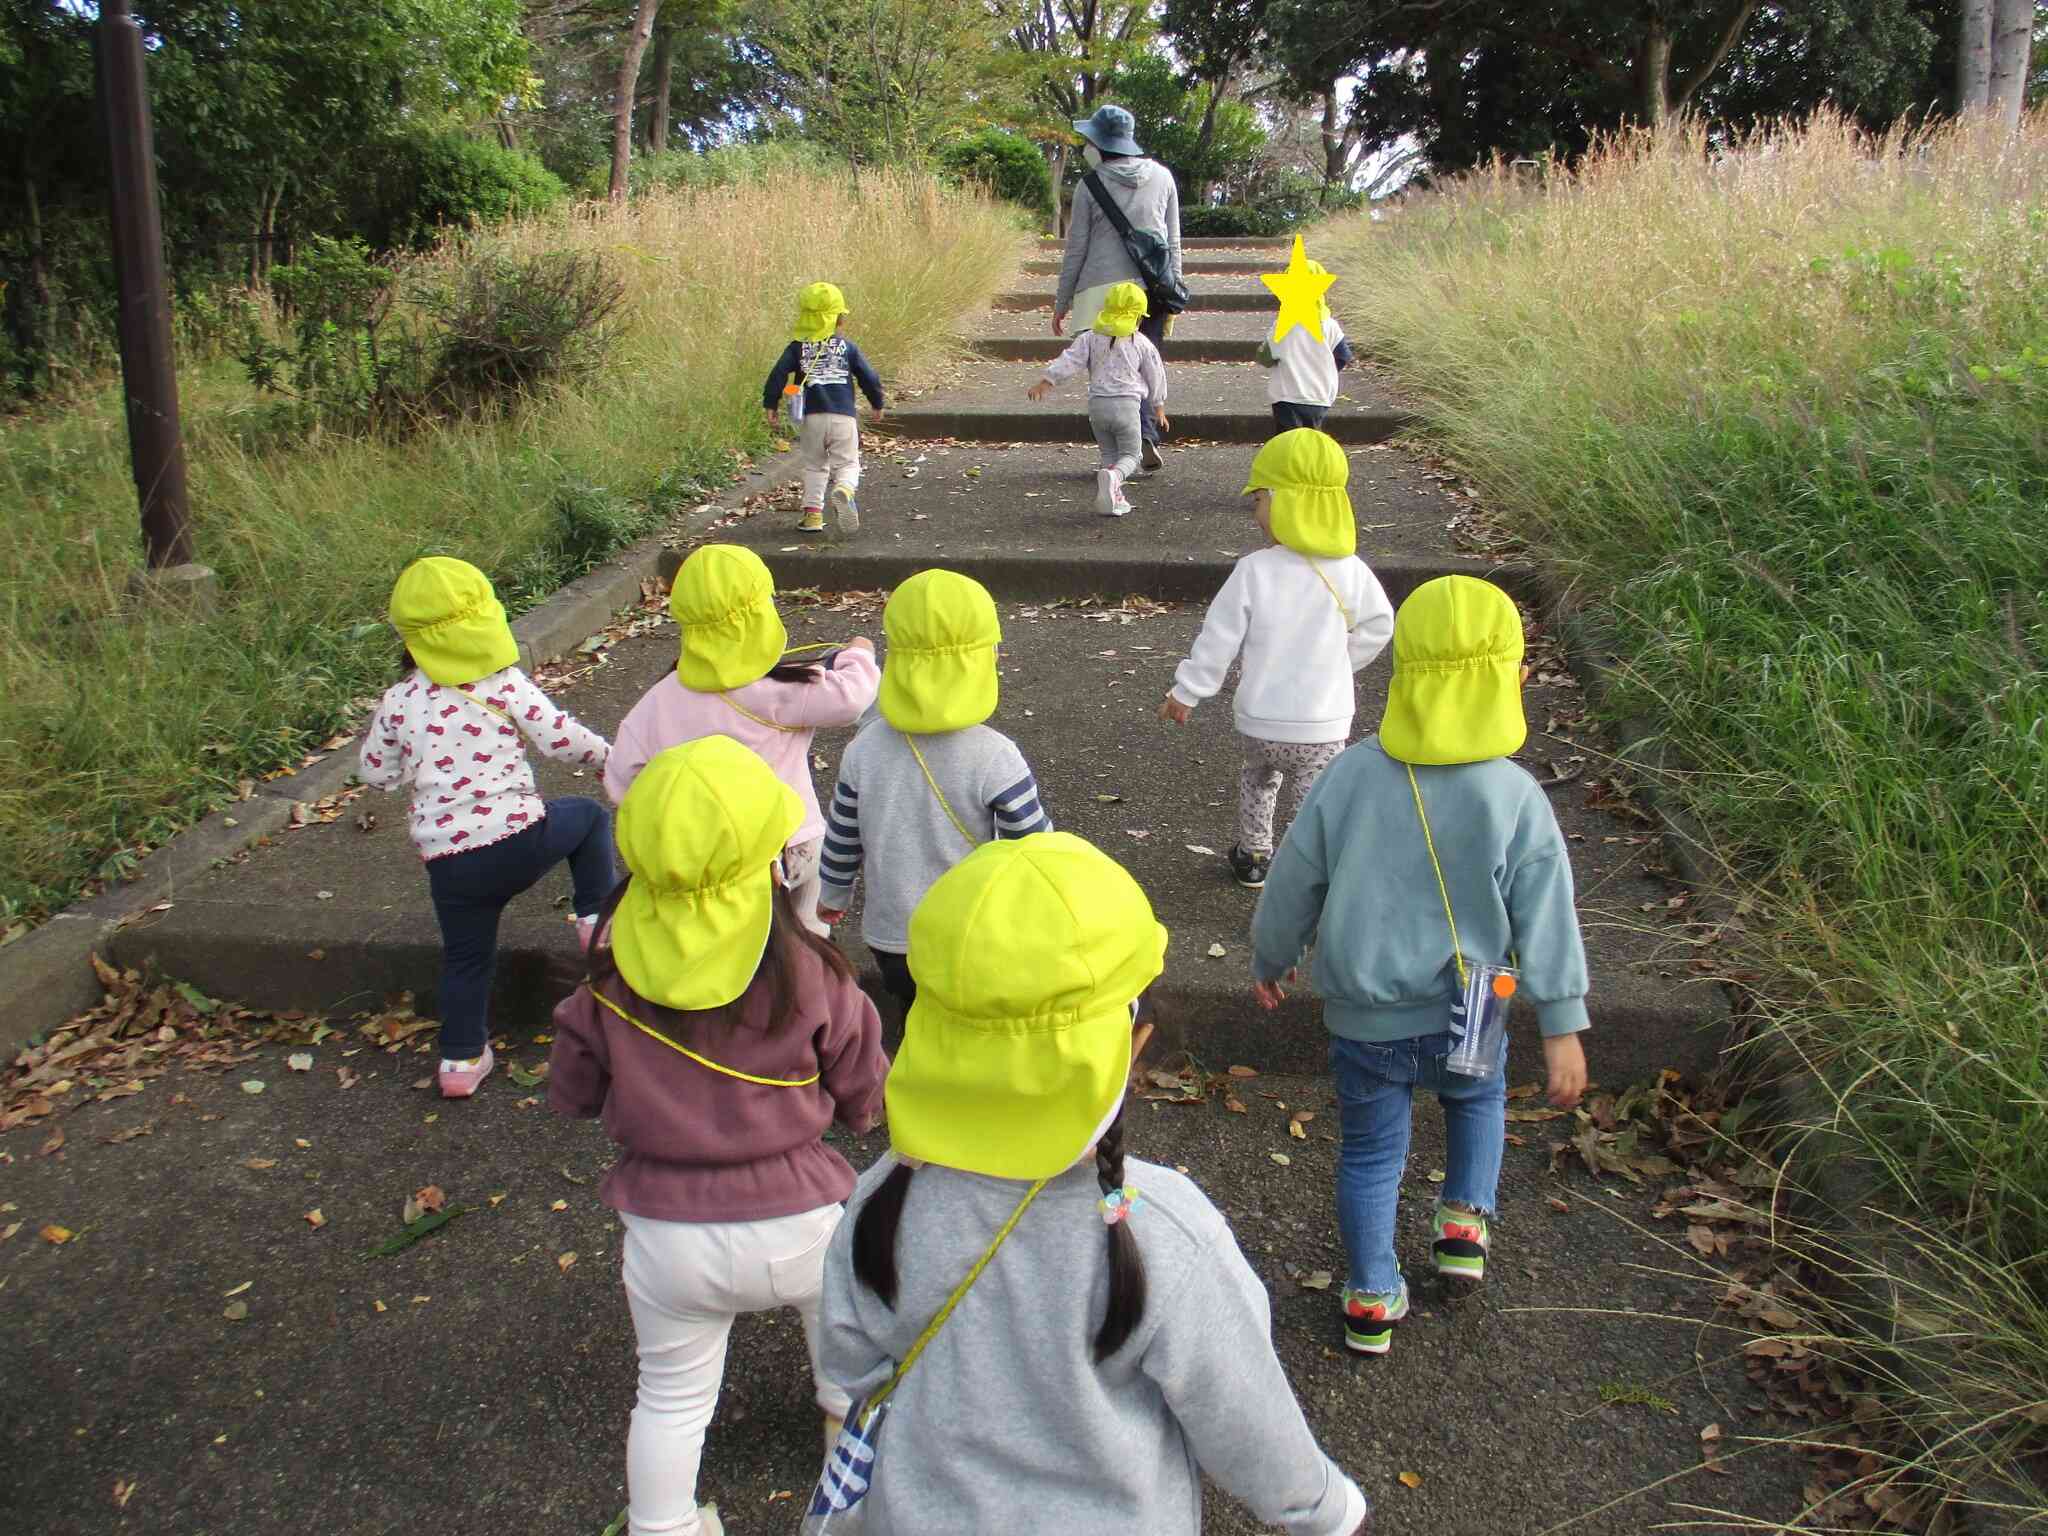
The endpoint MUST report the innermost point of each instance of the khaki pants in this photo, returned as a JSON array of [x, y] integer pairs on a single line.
[[830, 450]]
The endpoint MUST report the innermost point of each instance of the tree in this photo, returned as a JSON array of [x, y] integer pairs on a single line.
[[622, 94], [1973, 56], [1189, 128], [1217, 39], [2012, 46], [1068, 48]]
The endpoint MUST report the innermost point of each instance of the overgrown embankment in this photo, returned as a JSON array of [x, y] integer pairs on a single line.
[[1781, 414], [120, 725]]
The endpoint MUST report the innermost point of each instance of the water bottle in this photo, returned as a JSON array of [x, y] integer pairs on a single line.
[[1479, 1021], [836, 1507], [793, 403]]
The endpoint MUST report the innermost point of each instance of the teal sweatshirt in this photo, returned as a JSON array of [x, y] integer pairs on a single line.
[[1353, 877]]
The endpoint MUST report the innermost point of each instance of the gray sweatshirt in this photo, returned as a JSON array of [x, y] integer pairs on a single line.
[[885, 814], [1145, 191], [1006, 1423]]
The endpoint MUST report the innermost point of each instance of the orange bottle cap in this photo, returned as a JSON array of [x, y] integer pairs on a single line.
[[1503, 986]]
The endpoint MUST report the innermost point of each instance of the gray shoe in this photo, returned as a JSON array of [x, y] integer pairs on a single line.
[[1149, 460]]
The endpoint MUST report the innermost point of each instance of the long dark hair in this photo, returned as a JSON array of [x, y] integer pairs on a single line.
[[874, 1244], [788, 939], [796, 671]]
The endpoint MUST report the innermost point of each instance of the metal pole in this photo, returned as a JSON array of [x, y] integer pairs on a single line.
[[148, 375]]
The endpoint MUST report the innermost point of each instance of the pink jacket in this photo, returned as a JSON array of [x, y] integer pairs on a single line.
[[669, 714], [696, 1144]]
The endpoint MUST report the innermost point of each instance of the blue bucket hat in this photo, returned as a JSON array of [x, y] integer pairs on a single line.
[[1110, 130]]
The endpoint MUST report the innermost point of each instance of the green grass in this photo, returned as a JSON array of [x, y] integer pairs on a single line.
[[1781, 417], [121, 725]]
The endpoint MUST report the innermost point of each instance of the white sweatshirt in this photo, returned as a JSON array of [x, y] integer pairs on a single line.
[[459, 750], [1304, 627], [1126, 366], [1305, 369]]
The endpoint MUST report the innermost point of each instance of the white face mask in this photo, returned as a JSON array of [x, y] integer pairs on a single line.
[[1092, 156]]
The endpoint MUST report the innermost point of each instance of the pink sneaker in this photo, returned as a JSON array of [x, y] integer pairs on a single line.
[[461, 1079], [586, 932]]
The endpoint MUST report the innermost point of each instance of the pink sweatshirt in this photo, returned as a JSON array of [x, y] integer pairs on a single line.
[[698, 1145], [669, 714]]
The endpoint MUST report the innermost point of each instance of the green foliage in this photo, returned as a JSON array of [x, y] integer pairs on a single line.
[[686, 170], [332, 367], [1009, 165], [428, 183], [1205, 220], [1170, 111], [1777, 416], [509, 325]]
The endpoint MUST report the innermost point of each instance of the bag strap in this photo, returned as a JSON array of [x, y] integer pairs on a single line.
[[1100, 192], [705, 1061], [1457, 950], [1349, 624], [959, 1291], [939, 794], [776, 725]]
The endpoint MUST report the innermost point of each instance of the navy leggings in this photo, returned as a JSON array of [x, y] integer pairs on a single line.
[[1289, 414], [470, 892]]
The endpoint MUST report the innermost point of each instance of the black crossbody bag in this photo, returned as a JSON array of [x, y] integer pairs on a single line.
[[1164, 294]]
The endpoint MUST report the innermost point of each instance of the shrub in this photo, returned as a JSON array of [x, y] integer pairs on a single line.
[[508, 324], [1009, 165], [1228, 219], [337, 369], [427, 183]]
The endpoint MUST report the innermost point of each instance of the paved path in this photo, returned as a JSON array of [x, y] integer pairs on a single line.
[[497, 1400]]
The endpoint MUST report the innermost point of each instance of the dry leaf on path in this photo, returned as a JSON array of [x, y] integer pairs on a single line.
[[1560, 1206], [346, 1077], [1410, 1479], [1702, 1239], [1317, 1280], [1281, 1158], [56, 1234], [1217, 951], [566, 1261], [235, 1311], [237, 1290], [259, 1163], [423, 1202], [1244, 1071], [1294, 1129], [252, 1085], [124, 1490], [314, 1219], [1198, 848], [1234, 1104], [300, 1061], [559, 1205]]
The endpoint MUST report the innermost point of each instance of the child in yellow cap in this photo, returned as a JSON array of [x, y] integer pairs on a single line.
[[827, 366], [1306, 613], [456, 728], [731, 679], [1303, 383], [926, 782], [719, 1039], [1422, 854], [1125, 376], [1115, 1346]]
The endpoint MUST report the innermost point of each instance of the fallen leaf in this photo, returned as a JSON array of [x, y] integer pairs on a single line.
[[1535, 1114], [1198, 848], [1710, 1434], [1217, 951], [559, 1205], [1436, 1175], [252, 1085], [1410, 1479], [423, 1202], [1702, 1238], [300, 1061], [348, 1078], [235, 1311], [1244, 1071], [380, 1306], [1317, 1280], [301, 1143], [1294, 1129], [323, 895], [54, 1143], [9, 1230], [259, 1163], [1281, 1158], [1303, 1116], [424, 1082], [124, 1490], [147, 1128], [237, 1290], [524, 1078], [565, 1261], [55, 1234], [1234, 1104], [498, 1199], [1559, 1206], [1525, 1091]]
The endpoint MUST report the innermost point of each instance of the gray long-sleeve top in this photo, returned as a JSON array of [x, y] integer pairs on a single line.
[[1007, 1423], [1095, 254]]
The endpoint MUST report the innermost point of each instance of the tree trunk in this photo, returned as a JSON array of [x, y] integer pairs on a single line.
[[622, 94], [1653, 73], [664, 79], [41, 322], [1058, 156], [1973, 58], [1334, 148], [2012, 55]]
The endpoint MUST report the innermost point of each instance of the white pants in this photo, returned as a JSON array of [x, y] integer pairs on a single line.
[[830, 449], [685, 1282], [800, 876]]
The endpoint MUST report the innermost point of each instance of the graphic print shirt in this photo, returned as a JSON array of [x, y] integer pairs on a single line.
[[460, 749], [829, 369]]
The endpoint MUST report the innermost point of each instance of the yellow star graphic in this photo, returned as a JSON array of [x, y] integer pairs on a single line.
[[1300, 293]]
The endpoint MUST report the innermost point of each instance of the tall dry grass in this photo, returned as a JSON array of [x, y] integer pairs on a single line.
[[1780, 411], [122, 725]]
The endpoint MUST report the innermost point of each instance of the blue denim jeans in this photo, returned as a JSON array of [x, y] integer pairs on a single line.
[[1376, 1083]]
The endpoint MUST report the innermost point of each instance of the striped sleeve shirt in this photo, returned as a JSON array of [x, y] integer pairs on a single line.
[[904, 830]]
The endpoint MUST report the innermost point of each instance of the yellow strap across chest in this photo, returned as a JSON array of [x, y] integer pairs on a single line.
[[705, 1061]]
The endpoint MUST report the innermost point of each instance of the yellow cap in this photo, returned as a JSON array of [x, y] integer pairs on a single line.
[[724, 603], [940, 674], [700, 828], [1122, 308], [1306, 472], [1027, 954], [452, 621], [1456, 693], [818, 308]]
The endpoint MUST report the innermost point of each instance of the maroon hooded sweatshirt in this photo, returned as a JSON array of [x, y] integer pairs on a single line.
[[699, 1145]]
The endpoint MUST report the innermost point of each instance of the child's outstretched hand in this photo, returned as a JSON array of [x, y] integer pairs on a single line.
[[1565, 1061], [861, 643], [1160, 415], [1039, 390], [1173, 711], [769, 414], [829, 917], [1271, 994]]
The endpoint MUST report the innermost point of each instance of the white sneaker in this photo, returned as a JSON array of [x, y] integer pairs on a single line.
[[708, 1523], [1109, 493], [845, 509]]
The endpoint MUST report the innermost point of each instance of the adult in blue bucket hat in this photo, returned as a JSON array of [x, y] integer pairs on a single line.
[[1144, 191]]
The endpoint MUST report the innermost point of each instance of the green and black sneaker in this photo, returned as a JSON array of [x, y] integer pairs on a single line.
[[1369, 1319], [1460, 1245]]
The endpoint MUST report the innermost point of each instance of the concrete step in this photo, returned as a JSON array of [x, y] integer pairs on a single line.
[[1217, 263], [332, 919], [1210, 401], [1203, 336], [1207, 243], [1021, 519], [1203, 295]]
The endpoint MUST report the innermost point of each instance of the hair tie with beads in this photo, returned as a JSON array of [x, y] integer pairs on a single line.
[[1118, 1204]]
